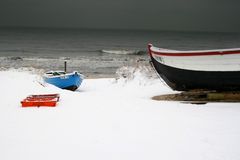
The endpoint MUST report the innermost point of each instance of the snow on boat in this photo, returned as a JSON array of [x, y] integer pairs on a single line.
[[206, 70], [61, 79]]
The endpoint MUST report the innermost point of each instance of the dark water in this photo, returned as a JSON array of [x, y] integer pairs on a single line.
[[97, 53]]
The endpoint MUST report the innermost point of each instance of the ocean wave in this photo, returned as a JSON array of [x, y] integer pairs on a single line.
[[124, 52], [64, 58], [15, 58], [31, 70]]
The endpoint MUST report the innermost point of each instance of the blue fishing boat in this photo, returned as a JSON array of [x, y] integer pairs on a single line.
[[61, 79]]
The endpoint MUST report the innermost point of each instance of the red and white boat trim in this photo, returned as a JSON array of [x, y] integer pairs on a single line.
[[201, 60]]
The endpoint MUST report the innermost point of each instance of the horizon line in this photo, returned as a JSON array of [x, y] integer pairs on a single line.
[[113, 29]]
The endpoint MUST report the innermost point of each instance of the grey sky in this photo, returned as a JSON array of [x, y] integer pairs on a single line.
[[196, 15]]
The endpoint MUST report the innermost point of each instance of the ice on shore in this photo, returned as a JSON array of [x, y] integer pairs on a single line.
[[112, 119]]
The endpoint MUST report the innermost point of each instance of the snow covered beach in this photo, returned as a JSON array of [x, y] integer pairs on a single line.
[[112, 119]]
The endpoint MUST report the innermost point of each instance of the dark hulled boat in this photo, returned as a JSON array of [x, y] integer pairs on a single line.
[[190, 70]]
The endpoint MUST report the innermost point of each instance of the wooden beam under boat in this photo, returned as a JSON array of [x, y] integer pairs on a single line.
[[200, 97]]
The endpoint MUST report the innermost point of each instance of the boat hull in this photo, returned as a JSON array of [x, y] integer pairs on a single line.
[[69, 81], [183, 79]]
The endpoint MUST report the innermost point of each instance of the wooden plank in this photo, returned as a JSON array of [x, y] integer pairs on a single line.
[[200, 97]]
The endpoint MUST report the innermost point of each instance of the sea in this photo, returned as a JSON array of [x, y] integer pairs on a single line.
[[97, 53]]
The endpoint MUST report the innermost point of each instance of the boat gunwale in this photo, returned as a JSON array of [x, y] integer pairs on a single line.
[[62, 75], [168, 52]]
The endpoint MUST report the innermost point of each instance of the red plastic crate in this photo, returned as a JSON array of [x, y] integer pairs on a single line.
[[45, 100]]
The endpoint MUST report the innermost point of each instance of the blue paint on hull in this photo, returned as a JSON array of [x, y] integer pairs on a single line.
[[67, 81]]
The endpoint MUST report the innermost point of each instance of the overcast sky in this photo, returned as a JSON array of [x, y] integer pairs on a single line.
[[187, 15]]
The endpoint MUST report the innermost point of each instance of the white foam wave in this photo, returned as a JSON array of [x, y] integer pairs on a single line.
[[123, 52]]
